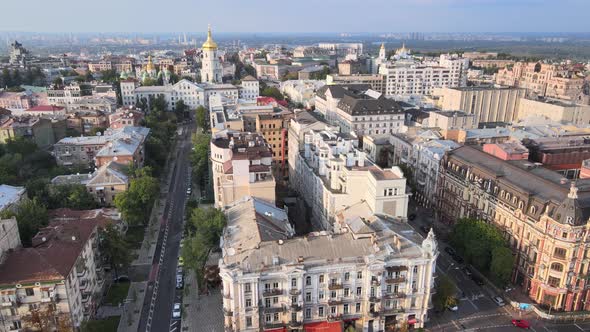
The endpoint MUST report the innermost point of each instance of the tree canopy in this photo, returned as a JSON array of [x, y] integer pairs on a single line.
[[201, 117], [445, 293], [135, 203], [114, 248]]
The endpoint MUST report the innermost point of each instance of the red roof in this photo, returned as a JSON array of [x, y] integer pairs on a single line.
[[45, 108]]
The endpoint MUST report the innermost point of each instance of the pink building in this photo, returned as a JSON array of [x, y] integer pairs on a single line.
[[510, 150], [15, 100]]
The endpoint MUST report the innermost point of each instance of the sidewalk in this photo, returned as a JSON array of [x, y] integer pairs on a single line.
[[131, 310], [203, 313]]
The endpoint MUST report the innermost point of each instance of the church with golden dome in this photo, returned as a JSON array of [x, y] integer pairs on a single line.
[[211, 70]]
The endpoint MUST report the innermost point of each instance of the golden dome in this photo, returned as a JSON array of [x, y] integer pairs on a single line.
[[150, 65], [209, 44]]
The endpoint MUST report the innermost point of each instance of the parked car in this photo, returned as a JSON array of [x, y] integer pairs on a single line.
[[450, 251], [179, 283], [121, 278], [498, 300], [477, 280], [508, 288], [522, 323], [189, 191], [453, 307], [176, 311], [467, 272]]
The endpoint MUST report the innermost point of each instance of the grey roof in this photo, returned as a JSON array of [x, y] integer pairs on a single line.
[[362, 106], [10, 194], [339, 91]]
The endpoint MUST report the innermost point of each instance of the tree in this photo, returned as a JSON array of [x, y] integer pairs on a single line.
[[30, 216], [115, 249], [502, 264], [58, 82], [80, 199], [110, 76], [47, 319], [476, 240], [271, 91], [135, 203], [200, 156], [180, 109], [6, 78], [445, 293], [201, 117], [96, 130]]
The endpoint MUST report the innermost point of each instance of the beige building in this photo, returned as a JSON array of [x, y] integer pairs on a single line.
[[450, 120], [241, 165], [488, 104], [543, 79], [330, 173], [374, 274], [555, 110], [62, 270]]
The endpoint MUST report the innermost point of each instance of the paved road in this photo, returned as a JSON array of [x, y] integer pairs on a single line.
[[157, 315]]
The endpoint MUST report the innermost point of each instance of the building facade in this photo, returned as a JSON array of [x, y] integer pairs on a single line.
[[543, 216], [211, 70]]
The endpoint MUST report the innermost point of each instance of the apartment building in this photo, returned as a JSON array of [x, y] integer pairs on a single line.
[[451, 120], [409, 76], [330, 173], [39, 130], [125, 145], [544, 79], [241, 164], [561, 154], [543, 215], [375, 81], [274, 129], [374, 274], [126, 117], [301, 91], [360, 110], [555, 110], [16, 101], [62, 270], [65, 96], [422, 152], [488, 104]]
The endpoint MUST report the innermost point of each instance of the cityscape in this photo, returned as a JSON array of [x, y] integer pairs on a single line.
[[296, 167]]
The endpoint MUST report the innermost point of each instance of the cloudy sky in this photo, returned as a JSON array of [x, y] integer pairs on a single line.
[[296, 15]]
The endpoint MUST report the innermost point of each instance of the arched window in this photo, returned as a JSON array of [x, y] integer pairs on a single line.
[[533, 210], [557, 267], [514, 200], [520, 205], [308, 281], [507, 196]]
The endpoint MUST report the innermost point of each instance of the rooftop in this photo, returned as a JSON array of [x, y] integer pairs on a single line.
[[10, 195]]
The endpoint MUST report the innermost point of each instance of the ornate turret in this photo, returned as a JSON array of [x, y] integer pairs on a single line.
[[150, 65], [209, 44]]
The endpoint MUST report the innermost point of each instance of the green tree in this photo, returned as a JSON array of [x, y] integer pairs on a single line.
[[502, 264], [58, 82], [445, 293], [30, 216], [181, 110], [201, 117], [110, 76], [271, 91], [115, 249], [135, 203], [476, 240], [6, 78], [200, 156], [16, 78], [80, 199], [96, 130]]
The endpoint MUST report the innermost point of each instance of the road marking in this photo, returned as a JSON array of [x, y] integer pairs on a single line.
[[483, 316], [473, 304], [455, 323], [533, 329], [578, 326], [488, 327]]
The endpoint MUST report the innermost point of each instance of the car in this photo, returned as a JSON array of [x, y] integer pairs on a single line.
[[179, 284], [477, 280], [467, 272], [425, 229], [498, 301], [176, 311], [450, 251], [180, 261], [453, 307], [179, 271], [522, 323], [458, 259], [122, 278], [508, 288], [189, 191]]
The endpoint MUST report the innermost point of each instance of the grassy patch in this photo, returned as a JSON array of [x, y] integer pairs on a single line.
[[117, 293], [101, 325], [134, 236]]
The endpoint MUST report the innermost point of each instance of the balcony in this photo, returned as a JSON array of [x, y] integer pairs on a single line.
[[335, 301], [334, 317], [374, 313], [397, 295], [296, 307], [393, 311], [274, 325], [375, 282], [396, 268], [395, 280], [334, 286], [272, 292], [349, 316], [83, 284], [8, 304], [294, 291], [295, 323], [374, 299], [272, 310], [85, 297]]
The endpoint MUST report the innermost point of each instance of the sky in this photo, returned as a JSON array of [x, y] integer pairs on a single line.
[[295, 15]]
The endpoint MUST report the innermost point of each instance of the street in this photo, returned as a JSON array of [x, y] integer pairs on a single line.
[[161, 293], [477, 311]]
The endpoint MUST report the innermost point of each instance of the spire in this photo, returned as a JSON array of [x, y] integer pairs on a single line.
[[209, 44], [382, 46]]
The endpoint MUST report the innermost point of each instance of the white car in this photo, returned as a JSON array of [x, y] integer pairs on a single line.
[[453, 307], [498, 300], [176, 311]]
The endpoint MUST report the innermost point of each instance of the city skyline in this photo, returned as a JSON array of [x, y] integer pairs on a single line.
[[225, 16]]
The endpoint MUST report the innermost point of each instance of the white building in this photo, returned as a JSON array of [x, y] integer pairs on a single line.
[[249, 89], [211, 70], [10, 196], [330, 173], [241, 164], [405, 75], [301, 91], [422, 152], [375, 274]]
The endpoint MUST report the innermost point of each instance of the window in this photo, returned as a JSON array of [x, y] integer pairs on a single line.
[[321, 311], [249, 321], [267, 287], [345, 309], [293, 282], [267, 302], [308, 281], [415, 269], [357, 307], [294, 299], [275, 300], [347, 292], [247, 288], [30, 291], [308, 313], [333, 310], [308, 297], [333, 294], [347, 276], [359, 291], [557, 267], [559, 253], [553, 282], [359, 275], [248, 303], [275, 285], [267, 318], [275, 316], [321, 295], [321, 278]]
